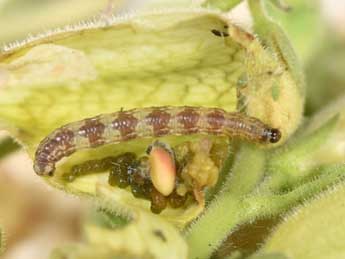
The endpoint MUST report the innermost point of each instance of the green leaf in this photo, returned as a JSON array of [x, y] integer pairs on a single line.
[[297, 160], [302, 16], [282, 96], [104, 218], [84, 71], [243, 204], [318, 224], [277, 41], [168, 57], [332, 150], [326, 80], [286, 102], [19, 18], [145, 236], [8, 146], [155, 59]]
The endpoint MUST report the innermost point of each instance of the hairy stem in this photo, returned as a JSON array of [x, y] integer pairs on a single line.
[[292, 164], [248, 170], [268, 205], [226, 211]]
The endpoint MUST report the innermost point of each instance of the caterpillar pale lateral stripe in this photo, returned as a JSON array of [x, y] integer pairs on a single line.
[[122, 126]]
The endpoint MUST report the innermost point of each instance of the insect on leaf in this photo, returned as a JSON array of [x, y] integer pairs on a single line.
[[179, 57]]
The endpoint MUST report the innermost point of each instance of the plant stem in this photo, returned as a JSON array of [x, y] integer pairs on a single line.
[[248, 170], [226, 211], [233, 206], [259, 15], [288, 166], [269, 205], [207, 234]]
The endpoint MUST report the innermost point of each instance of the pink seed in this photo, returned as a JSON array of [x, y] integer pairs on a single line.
[[163, 170]]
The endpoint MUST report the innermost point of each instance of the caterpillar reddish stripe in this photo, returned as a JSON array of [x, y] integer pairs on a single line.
[[147, 122]]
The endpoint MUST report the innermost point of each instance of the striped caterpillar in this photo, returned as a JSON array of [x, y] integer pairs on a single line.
[[123, 126]]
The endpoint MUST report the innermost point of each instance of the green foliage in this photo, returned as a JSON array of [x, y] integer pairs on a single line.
[[171, 57], [85, 73], [140, 235], [298, 159], [252, 192], [106, 219], [324, 72], [319, 224], [302, 16], [7, 146], [226, 210], [276, 40]]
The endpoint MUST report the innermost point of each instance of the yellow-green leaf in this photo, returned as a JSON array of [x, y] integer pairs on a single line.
[[155, 59], [168, 57], [313, 231], [304, 15], [165, 58], [332, 151], [145, 236], [19, 18]]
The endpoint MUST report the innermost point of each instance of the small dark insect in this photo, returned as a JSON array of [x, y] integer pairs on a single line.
[[147, 123], [219, 33]]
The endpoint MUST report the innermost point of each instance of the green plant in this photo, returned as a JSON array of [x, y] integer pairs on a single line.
[[176, 57]]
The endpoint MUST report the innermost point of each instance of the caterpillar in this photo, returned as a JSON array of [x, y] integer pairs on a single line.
[[139, 123]]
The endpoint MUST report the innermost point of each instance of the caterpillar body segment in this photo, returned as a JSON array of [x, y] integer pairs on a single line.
[[153, 122]]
